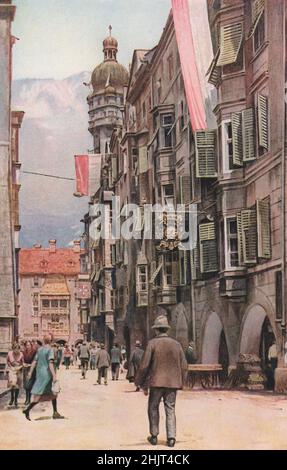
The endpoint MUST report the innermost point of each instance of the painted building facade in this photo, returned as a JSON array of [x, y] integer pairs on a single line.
[[49, 302], [9, 188]]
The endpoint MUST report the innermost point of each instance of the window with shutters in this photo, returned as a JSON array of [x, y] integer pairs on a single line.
[[143, 160], [113, 254], [231, 237], [263, 123], [170, 269], [249, 236], [258, 24], [208, 248], [183, 267], [135, 158], [263, 229], [205, 145], [142, 278]]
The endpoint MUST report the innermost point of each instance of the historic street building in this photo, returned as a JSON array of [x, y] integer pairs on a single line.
[[228, 293], [49, 295], [10, 123]]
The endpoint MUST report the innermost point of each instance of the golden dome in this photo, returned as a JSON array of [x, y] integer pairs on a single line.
[[109, 75]]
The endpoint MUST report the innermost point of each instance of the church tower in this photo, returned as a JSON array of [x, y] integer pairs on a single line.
[[106, 100]]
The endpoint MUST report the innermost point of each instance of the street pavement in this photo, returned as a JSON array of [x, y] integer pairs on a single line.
[[114, 417]]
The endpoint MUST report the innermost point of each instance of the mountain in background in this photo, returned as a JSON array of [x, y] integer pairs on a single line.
[[55, 128]]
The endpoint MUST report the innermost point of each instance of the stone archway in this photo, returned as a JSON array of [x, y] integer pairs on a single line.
[[212, 337], [179, 325], [252, 329]]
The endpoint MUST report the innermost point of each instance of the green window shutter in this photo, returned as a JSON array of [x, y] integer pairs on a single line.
[[143, 166], [236, 120], [205, 154], [214, 72], [240, 239], [248, 135], [230, 42], [208, 248], [263, 121], [249, 236], [185, 189], [263, 229]]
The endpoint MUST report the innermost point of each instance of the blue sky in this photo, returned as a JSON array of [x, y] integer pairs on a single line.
[[61, 37]]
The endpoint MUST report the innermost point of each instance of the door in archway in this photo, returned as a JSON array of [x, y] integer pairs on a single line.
[[266, 340], [223, 357]]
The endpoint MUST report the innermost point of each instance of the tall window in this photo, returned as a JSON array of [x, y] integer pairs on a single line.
[[142, 278], [63, 303], [46, 303], [232, 258], [167, 121], [259, 33], [36, 281], [168, 259], [36, 328], [227, 146], [168, 194]]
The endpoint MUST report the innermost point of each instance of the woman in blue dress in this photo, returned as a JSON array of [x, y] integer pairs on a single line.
[[45, 377]]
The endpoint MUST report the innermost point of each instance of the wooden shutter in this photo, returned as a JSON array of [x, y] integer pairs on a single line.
[[278, 290], [240, 240], [156, 272], [263, 121], [214, 72], [185, 189], [248, 135], [249, 236], [230, 42], [205, 154], [208, 248], [263, 229], [236, 120], [142, 159]]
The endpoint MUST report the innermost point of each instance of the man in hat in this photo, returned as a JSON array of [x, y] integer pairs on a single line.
[[135, 361], [84, 356], [162, 370], [103, 362]]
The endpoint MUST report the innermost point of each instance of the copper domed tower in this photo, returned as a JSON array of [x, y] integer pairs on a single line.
[[106, 99]]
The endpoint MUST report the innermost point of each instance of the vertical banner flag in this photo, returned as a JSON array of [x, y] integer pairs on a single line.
[[195, 50], [88, 174]]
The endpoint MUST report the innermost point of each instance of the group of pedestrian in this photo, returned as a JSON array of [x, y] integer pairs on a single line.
[[32, 365]]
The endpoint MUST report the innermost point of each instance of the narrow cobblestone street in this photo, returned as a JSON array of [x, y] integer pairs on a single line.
[[114, 417]]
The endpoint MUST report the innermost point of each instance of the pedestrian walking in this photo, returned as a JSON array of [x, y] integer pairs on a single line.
[[67, 354], [58, 358], [84, 356], [103, 362], [45, 378], [29, 353], [93, 353], [163, 371], [123, 353], [14, 369], [116, 359], [134, 363]]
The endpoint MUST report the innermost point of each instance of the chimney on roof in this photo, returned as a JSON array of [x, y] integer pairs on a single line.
[[52, 246], [37, 246], [77, 246]]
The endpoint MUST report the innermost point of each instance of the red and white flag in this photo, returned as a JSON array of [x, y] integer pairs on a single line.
[[88, 174], [196, 53]]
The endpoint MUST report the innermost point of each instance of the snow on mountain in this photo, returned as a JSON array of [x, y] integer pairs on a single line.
[[54, 129]]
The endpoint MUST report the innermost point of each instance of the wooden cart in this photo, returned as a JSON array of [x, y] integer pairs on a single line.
[[207, 375]]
